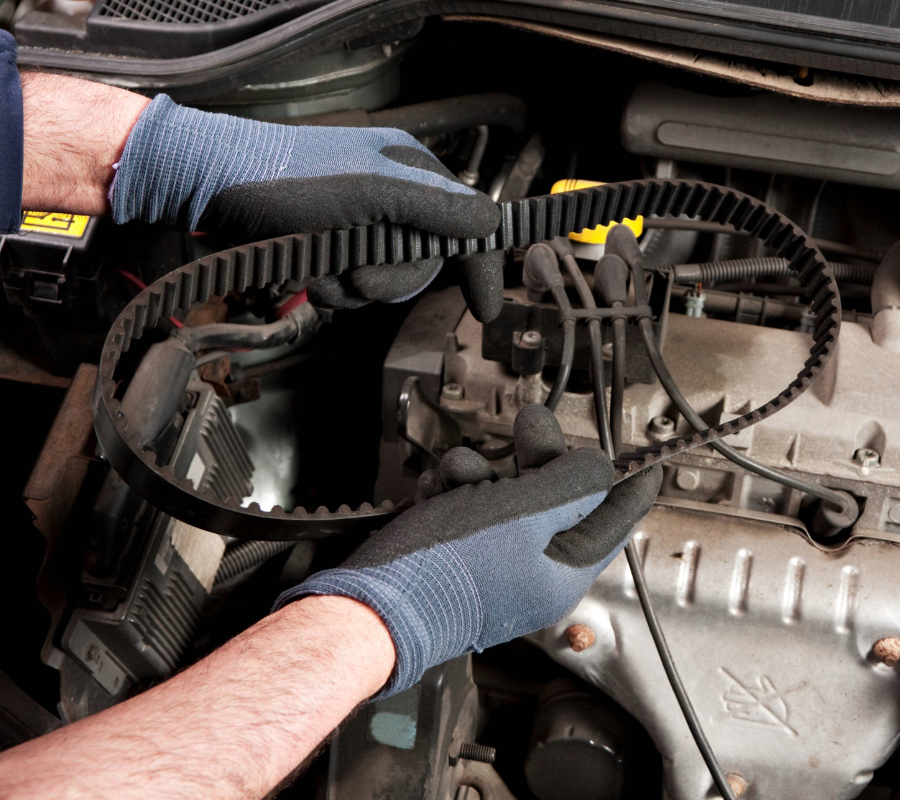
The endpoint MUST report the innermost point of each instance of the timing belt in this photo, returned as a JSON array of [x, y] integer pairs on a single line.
[[524, 222]]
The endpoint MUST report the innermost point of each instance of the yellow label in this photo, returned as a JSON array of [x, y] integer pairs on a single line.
[[55, 223]]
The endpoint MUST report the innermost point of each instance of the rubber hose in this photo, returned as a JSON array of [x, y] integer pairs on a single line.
[[251, 337], [246, 556], [740, 268]]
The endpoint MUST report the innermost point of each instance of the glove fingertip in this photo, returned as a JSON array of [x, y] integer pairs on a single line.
[[482, 284], [429, 485], [538, 436]]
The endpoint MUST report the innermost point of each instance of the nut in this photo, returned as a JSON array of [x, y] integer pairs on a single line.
[[887, 651], [453, 391], [866, 457], [580, 637], [737, 783], [662, 425]]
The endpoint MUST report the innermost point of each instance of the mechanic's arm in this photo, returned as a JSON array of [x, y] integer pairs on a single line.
[[75, 131], [232, 726], [241, 179], [476, 562]]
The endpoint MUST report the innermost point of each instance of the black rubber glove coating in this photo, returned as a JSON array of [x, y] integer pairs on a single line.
[[482, 283], [255, 211], [603, 530], [460, 512]]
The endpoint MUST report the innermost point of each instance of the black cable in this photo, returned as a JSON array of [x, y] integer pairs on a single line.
[[665, 655], [568, 351], [671, 388], [640, 581], [617, 398], [595, 332]]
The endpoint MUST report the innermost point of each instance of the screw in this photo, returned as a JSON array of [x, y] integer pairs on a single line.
[[887, 650], [532, 338], [866, 457], [894, 514], [580, 637], [92, 653], [477, 752], [452, 391], [737, 783], [662, 425], [687, 479]]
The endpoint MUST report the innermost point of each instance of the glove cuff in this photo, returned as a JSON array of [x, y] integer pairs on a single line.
[[177, 159], [429, 605]]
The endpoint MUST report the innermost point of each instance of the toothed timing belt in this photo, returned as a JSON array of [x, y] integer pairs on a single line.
[[301, 256]]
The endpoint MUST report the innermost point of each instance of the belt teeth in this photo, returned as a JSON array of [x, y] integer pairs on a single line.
[[523, 222]]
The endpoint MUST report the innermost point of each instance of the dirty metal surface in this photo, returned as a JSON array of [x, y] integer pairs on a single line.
[[775, 644]]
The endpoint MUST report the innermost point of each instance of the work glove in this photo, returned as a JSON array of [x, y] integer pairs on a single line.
[[246, 180], [479, 561]]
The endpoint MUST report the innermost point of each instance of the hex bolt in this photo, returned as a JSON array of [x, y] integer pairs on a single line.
[[453, 391], [866, 457], [580, 637], [92, 653], [737, 783], [887, 651], [662, 425], [687, 479], [477, 752], [532, 338]]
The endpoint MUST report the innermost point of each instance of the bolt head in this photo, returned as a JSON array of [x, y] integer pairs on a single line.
[[92, 653], [662, 425], [866, 457], [894, 514], [580, 637], [737, 783], [887, 651], [687, 479], [532, 338], [453, 391]]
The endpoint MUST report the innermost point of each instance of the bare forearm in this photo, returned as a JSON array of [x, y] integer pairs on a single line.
[[232, 726], [75, 131]]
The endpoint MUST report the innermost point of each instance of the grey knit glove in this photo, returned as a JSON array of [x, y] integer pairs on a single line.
[[478, 561], [248, 180]]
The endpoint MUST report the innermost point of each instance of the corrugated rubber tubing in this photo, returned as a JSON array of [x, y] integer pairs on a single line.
[[301, 256]]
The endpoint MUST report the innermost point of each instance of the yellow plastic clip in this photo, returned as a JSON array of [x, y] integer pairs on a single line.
[[596, 235]]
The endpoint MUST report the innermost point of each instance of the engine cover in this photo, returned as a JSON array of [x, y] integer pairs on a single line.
[[773, 638]]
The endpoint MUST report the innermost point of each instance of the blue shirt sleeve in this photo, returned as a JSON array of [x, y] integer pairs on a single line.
[[11, 137]]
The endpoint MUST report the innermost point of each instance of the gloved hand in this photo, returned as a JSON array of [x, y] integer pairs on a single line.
[[478, 561], [248, 180]]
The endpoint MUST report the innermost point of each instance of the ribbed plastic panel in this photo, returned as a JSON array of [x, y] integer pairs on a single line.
[[166, 617], [183, 11], [230, 469]]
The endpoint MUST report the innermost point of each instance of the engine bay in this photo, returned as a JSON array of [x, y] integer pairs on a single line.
[[191, 435]]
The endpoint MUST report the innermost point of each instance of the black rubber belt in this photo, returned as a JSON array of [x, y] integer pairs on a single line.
[[524, 222]]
